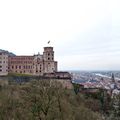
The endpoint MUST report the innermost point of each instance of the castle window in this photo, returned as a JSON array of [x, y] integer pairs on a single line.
[[12, 67], [0, 70], [36, 71], [48, 54], [48, 58], [19, 67], [0, 66]]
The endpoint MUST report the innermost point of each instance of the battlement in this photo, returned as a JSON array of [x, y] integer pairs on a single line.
[[48, 49]]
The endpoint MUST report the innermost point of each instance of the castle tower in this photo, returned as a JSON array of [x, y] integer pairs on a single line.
[[50, 65], [48, 54], [3, 63]]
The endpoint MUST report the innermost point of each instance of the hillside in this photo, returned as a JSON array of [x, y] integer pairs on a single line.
[[42, 100], [9, 53]]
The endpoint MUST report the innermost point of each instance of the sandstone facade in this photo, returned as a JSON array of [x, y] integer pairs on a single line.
[[32, 65], [3, 63]]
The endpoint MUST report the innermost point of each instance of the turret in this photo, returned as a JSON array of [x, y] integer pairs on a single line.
[[48, 54], [50, 65]]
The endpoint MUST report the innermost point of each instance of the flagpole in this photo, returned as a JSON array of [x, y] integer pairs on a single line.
[[49, 43]]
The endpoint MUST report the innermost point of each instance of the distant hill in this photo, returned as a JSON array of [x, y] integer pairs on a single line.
[[9, 53]]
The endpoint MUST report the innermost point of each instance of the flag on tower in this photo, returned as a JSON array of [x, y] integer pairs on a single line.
[[49, 42]]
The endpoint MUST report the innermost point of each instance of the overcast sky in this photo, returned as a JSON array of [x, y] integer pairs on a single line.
[[85, 34]]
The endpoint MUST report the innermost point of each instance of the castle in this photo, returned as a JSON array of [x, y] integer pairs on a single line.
[[37, 65]]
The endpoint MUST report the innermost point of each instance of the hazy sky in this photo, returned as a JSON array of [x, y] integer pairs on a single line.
[[85, 33]]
